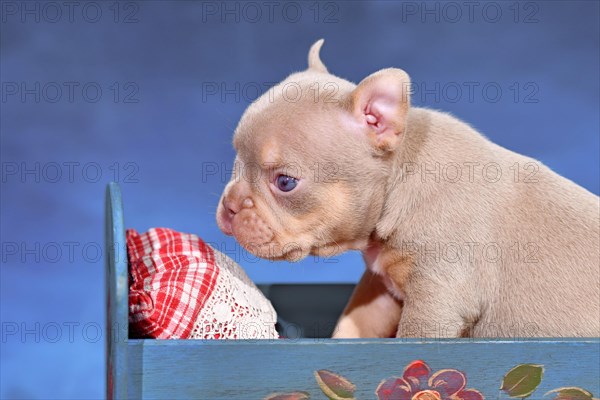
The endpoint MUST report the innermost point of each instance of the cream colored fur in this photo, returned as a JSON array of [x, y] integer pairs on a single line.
[[507, 249]]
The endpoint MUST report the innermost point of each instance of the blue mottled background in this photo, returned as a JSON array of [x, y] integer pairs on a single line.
[[157, 89]]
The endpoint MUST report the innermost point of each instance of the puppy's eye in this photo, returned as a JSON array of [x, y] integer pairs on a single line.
[[286, 183]]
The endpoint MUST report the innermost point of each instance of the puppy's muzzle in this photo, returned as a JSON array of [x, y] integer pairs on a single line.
[[241, 220]]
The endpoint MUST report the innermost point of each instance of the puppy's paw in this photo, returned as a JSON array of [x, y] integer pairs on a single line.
[[346, 329]]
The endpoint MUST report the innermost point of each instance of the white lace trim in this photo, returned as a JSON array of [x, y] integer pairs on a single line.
[[236, 309]]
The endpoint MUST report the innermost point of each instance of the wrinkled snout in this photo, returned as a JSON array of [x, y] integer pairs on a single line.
[[237, 215]]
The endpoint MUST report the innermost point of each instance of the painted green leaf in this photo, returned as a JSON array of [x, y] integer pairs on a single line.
[[288, 396], [522, 380], [570, 393], [335, 386]]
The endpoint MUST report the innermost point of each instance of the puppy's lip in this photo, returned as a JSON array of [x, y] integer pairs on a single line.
[[224, 223], [227, 229]]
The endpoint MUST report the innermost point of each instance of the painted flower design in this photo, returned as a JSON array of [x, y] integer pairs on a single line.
[[418, 383]]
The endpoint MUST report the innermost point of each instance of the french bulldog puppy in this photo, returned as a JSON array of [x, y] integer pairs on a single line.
[[461, 237]]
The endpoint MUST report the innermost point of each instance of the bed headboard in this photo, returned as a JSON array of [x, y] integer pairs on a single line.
[[116, 294]]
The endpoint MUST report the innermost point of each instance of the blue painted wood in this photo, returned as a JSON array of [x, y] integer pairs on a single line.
[[178, 369], [116, 295]]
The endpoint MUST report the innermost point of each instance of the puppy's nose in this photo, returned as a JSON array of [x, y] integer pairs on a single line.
[[233, 207]]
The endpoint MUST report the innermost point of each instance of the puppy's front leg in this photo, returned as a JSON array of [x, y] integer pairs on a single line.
[[372, 311], [435, 312]]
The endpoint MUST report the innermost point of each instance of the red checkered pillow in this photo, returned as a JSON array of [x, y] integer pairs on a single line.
[[180, 287]]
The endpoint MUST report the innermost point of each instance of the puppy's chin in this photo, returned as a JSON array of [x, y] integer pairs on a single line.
[[293, 251], [275, 252]]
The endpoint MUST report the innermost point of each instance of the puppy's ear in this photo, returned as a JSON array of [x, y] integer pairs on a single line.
[[380, 104], [314, 60]]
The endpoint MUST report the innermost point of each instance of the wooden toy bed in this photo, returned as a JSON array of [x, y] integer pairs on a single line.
[[194, 369]]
